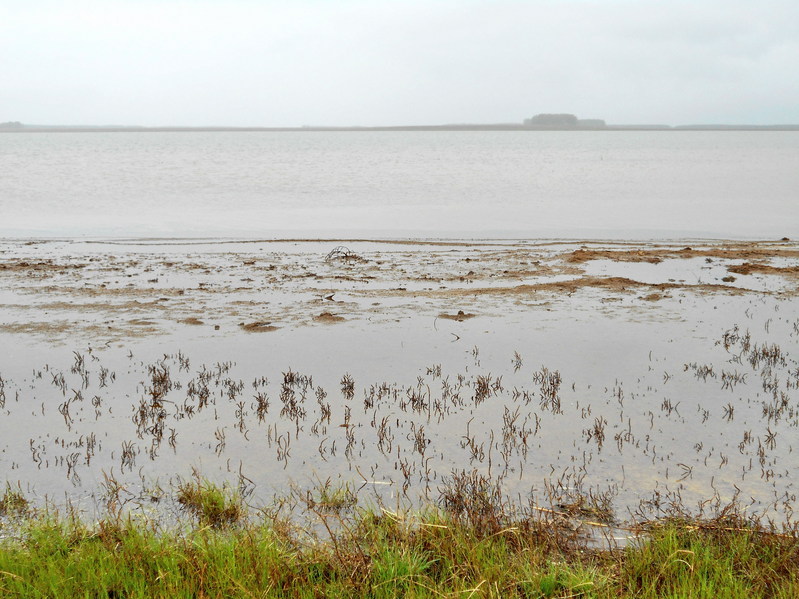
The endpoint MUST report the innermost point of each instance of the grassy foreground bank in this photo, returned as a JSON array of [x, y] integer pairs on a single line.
[[467, 549]]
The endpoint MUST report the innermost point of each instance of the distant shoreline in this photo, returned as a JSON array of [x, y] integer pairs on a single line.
[[4, 128]]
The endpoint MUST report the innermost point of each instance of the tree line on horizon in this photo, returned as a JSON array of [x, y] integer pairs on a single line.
[[562, 121]]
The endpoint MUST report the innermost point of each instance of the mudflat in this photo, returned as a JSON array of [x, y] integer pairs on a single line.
[[645, 372], [112, 290]]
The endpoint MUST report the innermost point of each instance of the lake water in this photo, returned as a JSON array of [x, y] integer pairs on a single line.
[[510, 183]]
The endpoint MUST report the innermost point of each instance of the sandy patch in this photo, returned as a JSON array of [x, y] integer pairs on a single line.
[[749, 268], [653, 297], [742, 251], [258, 327], [584, 255], [38, 266], [460, 316], [610, 284], [328, 318], [191, 320]]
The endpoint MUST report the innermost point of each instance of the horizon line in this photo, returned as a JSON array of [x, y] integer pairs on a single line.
[[16, 126]]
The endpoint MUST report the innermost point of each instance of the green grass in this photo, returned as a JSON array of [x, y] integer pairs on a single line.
[[329, 497], [435, 552], [683, 561], [211, 504]]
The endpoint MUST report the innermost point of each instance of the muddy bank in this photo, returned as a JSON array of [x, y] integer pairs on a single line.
[[116, 289]]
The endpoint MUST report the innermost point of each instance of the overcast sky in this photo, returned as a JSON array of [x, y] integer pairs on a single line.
[[381, 62]]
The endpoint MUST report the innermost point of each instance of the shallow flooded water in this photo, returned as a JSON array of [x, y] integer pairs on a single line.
[[652, 374]]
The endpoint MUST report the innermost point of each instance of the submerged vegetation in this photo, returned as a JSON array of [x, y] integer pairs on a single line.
[[531, 430], [473, 544]]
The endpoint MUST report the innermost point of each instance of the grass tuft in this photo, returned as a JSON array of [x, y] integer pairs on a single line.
[[331, 498], [13, 501], [211, 504], [473, 498]]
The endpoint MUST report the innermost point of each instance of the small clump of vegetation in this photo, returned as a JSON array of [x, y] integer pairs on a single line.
[[211, 504], [474, 499], [329, 497], [13, 501]]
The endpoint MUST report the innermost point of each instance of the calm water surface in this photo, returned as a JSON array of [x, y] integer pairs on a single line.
[[618, 184]]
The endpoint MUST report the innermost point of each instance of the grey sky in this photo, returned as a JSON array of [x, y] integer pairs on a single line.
[[380, 62]]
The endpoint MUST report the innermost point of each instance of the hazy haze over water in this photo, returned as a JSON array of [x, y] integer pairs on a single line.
[[619, 184], [382, 62]]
